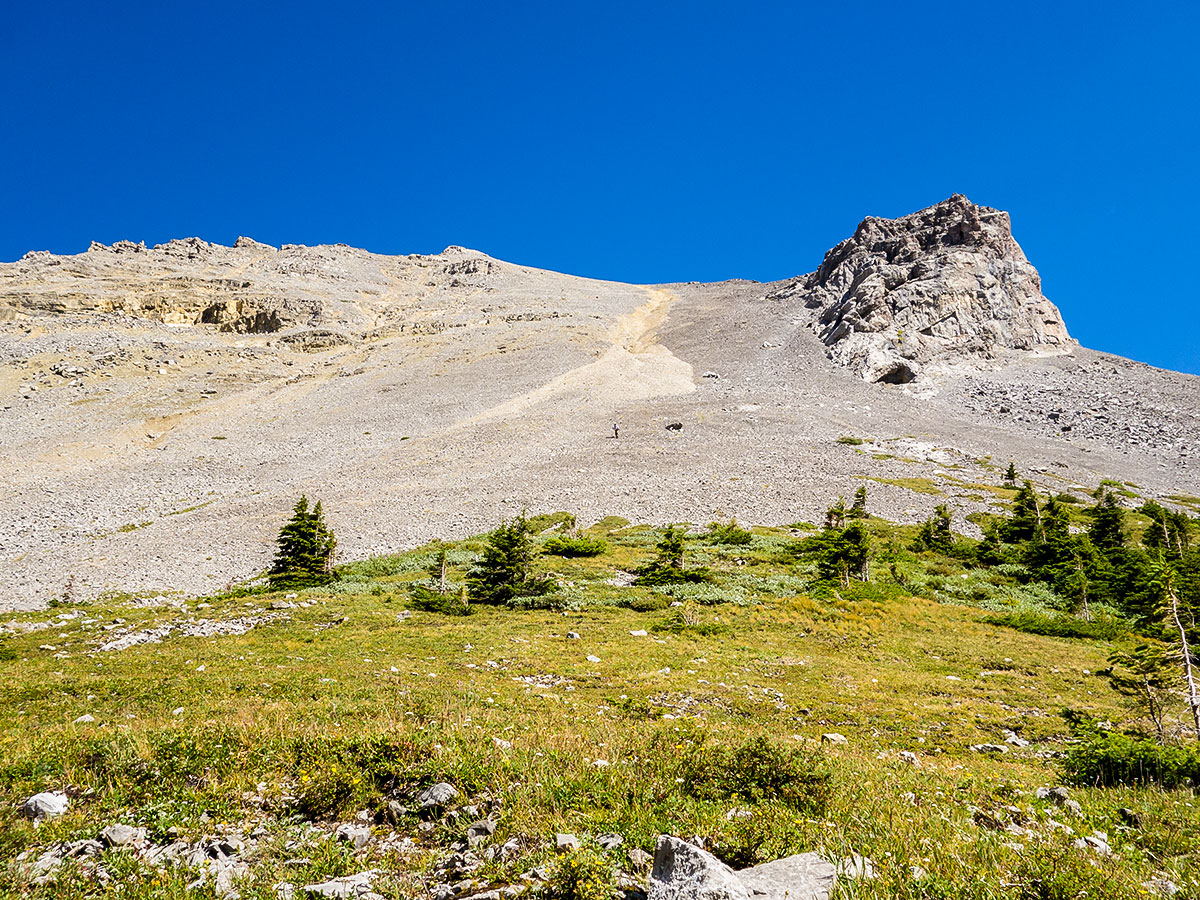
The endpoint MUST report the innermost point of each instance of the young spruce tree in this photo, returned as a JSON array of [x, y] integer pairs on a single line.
[[306, 546]]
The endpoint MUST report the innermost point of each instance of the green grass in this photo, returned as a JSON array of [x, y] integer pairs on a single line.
[[338, 705], [916, 485]]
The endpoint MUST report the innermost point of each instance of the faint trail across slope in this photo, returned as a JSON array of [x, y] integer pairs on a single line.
[[634, 367]]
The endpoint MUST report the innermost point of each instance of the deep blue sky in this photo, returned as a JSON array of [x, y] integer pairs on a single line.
[[645, 142]]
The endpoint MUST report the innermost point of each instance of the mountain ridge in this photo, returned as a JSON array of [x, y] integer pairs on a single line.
[[150, 449]]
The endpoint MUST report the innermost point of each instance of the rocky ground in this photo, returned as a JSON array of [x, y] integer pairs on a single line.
[[162, 409]]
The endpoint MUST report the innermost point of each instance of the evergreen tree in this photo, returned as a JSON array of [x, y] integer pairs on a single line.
[[306, 546], [859, 509], [1146, 675], [843, 553], [1010, 474], [990, 551], [1181, 627], [935, 533], [1169, 531], [504, 572], [835, 516], [1025, 522], [438, 571], [1108, 523], [668, 566]]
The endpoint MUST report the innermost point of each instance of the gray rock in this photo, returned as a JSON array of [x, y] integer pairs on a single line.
[[358, 836], [610, 841], [685, 872], [120, 835], [833, 738], [342, 888], [805, 876], [565, 843], [995, 749], [639, 860], [1097, 842], [438, 795], [46, 805], [395, 811], [942, 285]]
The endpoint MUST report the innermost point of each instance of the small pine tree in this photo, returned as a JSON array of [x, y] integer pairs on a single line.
[[505, 570], [1146, 675], [835, 516], [668, 566], [935, 533], [859, 509], [306, 548], [1010, 474], [1108, 523], [844, 554], [1026, 519]]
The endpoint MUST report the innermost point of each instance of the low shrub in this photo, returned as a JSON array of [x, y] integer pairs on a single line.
[[1109, 758], [581, 875], [562, 545], [850, 440], [759, 771], [730, 533], [1064, 626], [448, 604], [653, 603]]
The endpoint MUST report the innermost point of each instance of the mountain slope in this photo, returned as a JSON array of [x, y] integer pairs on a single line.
[[162, 408]]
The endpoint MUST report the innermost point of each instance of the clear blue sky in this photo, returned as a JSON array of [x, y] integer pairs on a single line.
[[645, 142]]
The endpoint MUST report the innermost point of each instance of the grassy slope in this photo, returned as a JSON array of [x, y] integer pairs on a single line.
[[339, 705]]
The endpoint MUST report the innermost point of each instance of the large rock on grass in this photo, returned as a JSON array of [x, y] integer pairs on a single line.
[[683, 871]]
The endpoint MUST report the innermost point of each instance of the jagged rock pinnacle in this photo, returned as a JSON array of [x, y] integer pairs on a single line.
[[944, 285]]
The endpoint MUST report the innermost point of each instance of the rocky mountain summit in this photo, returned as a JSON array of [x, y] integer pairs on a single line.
[[943, 285]]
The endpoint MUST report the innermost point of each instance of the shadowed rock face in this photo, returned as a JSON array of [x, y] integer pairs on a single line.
[[944, 285]]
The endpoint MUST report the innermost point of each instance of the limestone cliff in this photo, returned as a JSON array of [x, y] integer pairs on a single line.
[[944, 285]]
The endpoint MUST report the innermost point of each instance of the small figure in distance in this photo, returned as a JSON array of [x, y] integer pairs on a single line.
[[616, 431]]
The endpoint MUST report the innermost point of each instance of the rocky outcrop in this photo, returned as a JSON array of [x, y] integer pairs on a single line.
[[944, 285]]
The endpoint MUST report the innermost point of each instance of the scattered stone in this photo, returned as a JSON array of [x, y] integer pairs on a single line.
[[1097, 842], [85, 718], [501, 743], [1162, 887], [609, 841], [46, 805], [1011, 737], [641, 632], [437, 796], [592, 658], [683, 871], [640, 861], [358, 836], [565, 843], [909, 757], [572, 635], [342, 888], [996, 749], [833, 738], [120, 835]]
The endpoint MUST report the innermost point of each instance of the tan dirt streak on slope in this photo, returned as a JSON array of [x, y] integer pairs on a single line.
[[634, 367]]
